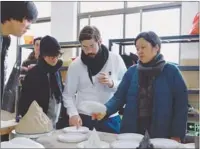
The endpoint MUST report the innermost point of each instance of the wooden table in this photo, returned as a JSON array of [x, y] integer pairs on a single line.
[[51, 141], [7, 127]]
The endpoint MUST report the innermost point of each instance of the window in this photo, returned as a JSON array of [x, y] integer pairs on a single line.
[[38, 29], [11, 56], [107, 30], [137, 4], [100, 6], [132, 25], [44, 9], [83, 22], [164, 23]]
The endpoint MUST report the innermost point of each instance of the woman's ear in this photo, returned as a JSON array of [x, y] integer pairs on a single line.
[[99, 42], [156, 48]]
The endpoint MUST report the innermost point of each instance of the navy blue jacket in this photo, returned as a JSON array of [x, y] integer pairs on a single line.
[[169, 115]]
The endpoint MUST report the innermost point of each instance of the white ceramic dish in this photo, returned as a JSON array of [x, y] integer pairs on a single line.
[[124, 144], [130, 136], [31, 136], [73, 129], [90, 107], [103, 145], [165, 143], [189, 145], [21, 142], [72, 137]]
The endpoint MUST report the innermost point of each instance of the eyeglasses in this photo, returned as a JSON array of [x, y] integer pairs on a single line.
[[53, 57]]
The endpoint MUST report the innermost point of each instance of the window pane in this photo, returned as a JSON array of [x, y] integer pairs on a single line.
[[38, 29], [166, 23], [83, 22], [130, 49], [100, 6], [11, 56], [132, 25], [163, 22], [107, 30], [44, 9], [137, 4], [170, 52]]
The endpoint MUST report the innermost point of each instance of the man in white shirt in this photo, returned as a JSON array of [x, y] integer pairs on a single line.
[[94, 76]]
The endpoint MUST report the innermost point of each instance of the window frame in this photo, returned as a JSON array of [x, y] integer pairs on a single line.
[[128, 10]]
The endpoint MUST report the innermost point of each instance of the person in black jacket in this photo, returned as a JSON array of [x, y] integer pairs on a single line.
[[16, 18], [33, 57], [43, 82]]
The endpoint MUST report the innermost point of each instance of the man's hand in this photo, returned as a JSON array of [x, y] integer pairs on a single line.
[[104, 78], [24, 68], [31, 66], [176, 139], [98, 116], [75, 121]]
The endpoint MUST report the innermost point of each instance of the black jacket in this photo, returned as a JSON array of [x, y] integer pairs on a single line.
[[36, 87], [7, 93], [30, 60]]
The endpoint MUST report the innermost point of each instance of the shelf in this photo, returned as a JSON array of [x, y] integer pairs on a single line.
[[164, 39], [70, 44], [188, 68], [193, 91], [63, 68]]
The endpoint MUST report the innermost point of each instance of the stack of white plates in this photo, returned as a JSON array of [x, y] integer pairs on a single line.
[[125, 144], [73, 134], [103, 144], [72, 137], [130, 136], [165, 143], [31, 136], [74, 129], [21, 142]]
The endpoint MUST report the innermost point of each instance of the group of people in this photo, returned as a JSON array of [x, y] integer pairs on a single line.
[[152, 91]]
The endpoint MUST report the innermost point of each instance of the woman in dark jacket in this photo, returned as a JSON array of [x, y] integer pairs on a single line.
[[43, 82], [154, 93]]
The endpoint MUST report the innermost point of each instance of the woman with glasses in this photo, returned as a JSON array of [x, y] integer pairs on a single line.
[[43, 82]]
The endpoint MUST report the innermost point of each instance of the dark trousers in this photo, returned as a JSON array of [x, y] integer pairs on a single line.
[[4, 138], [110, 125], [144, 123], [63, 120]]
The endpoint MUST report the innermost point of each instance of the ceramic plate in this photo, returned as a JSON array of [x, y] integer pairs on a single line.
[[31, 136], [21, 142], [103, 145], [124, 144], [90, 107], [189, 145], [164, 143], [26, 142], [8, 144], [130, 136], [73, 129], [72, 137]]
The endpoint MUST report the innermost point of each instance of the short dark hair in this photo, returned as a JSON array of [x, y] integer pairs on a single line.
[[49, 46], [35, 39], [151, 37], [18, 10], [89, 32]]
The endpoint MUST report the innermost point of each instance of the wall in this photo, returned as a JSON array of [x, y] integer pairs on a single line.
[[64, 23], [189, 53]]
